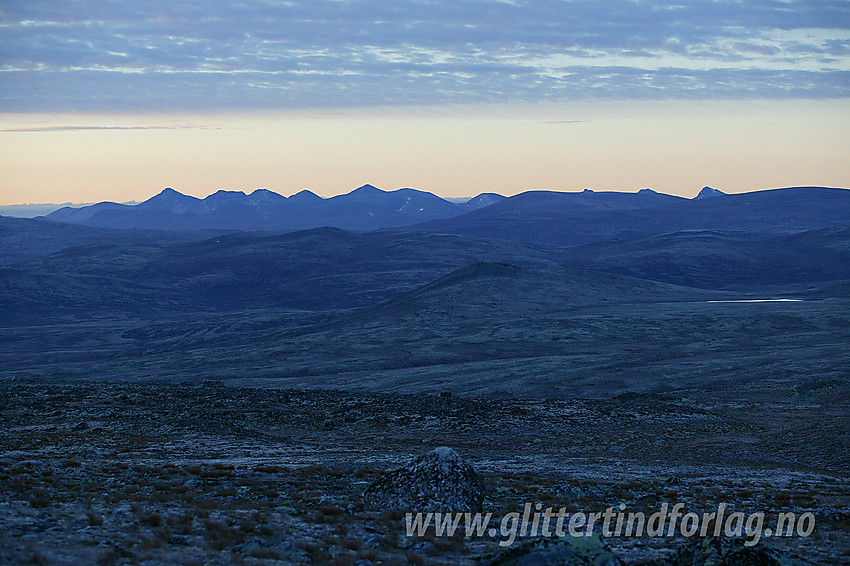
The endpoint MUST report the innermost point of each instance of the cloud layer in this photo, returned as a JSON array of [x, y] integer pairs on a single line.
[[212, 55]]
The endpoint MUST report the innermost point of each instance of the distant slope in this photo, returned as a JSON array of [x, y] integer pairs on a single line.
[[488, 328], [496, 329], [365, 208], [494, 290], [573, 219], [482, 200], [22, 238], [316, 269], [86, 214], [722, 259], [31, 210], [323, 269]]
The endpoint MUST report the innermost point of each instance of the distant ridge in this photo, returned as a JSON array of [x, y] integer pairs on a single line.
[[547, 218], [554, 219], [365, 208]]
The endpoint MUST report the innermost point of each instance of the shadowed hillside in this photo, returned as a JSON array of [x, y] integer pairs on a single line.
[[486, 329], [326, 269], [491, 291], [318, 269], [31, 237], [718, 260]]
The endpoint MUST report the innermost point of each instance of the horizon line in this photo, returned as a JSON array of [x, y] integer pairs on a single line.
[[449, 199]]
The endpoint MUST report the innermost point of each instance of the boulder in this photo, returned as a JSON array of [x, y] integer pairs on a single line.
[[437, 481]]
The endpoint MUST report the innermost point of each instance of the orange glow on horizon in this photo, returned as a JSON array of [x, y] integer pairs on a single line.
[[672, 147]]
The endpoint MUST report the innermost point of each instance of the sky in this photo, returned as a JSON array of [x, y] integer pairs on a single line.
[[115, 100]]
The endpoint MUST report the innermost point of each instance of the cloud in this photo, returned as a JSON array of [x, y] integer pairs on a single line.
[[165, 55], [83, 127]]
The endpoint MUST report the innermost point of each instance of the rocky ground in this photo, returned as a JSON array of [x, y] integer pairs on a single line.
[[207, 474]]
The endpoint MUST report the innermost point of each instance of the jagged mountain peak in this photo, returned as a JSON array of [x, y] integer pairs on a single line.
[[265, 192], [367, 189], [264, 196], [172, 200], [223, 195], [168, 195], [708, 192]]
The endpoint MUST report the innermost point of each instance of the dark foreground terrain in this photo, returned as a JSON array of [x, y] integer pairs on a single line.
[[208, 474]]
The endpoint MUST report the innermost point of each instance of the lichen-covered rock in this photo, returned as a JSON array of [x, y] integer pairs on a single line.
[[567, 551], [437, 481]]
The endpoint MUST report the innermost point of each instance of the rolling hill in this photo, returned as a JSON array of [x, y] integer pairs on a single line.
[[145, 274], [489, 329], [724, 260], [22, 238], [319, 269]]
